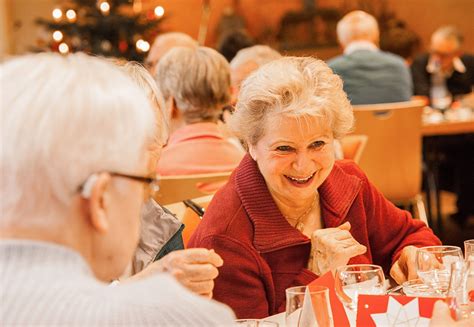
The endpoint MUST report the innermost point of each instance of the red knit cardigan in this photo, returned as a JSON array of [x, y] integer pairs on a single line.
[[263, 254]]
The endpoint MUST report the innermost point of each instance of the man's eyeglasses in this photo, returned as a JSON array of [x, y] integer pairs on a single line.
[[150, 185], [227, 108]]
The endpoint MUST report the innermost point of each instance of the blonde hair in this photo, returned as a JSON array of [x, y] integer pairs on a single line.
[[291, 86], [63, 119], [145, 81], [357, 26], [198, 80]]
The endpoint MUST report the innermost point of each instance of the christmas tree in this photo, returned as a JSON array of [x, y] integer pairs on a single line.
[[111, 28]]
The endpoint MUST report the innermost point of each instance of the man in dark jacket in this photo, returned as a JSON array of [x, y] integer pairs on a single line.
[[445, 69], [443, 75]]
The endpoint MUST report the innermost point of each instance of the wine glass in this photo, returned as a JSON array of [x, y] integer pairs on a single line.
[[256, 323], [469, 250], [461, 288], [417, 288], [308, 306], [433, 265], [353, 280]]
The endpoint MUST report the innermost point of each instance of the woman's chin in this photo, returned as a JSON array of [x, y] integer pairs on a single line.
[[300, 191]]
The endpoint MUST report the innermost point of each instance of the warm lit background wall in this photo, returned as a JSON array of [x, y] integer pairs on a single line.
[[18, 31]]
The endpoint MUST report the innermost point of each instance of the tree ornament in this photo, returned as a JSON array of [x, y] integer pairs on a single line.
[[106, 46], [123, 46]]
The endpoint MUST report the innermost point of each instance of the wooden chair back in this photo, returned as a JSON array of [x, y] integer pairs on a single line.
[[189, 217], [353, 146], [392, 157], [178, 188]]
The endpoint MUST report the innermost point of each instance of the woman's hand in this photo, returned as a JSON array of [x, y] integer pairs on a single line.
[[332, 248], [195, 269], [405, 267]]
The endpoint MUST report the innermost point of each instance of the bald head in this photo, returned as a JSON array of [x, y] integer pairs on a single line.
[[447, 34], [357, 26], [165, 42]]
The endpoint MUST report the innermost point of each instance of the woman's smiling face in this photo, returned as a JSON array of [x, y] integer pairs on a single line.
[[295, 156]]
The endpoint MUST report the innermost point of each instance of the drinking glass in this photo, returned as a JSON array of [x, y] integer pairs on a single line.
[[416, 287], [308, 306], [256, 323], [353, 280], [469, 250], [461, 288], [433, 265]]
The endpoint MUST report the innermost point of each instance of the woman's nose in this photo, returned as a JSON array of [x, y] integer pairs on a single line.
[[301, 162]]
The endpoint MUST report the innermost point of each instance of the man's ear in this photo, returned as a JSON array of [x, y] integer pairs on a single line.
[[98, 203]]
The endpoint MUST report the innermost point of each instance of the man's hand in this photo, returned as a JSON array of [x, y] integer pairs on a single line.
[[195, 269], [333, 247]]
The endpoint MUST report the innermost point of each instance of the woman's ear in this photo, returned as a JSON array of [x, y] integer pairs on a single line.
[[173, 109], [252, 152], [98, 203]]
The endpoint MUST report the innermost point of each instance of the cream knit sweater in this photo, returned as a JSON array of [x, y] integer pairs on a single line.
[[47, 284]]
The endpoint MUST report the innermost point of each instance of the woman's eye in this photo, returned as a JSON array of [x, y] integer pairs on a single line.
[[318, 144], [284, 148]]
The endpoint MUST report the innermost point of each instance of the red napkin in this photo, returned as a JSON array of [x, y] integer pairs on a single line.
[[391, 310]]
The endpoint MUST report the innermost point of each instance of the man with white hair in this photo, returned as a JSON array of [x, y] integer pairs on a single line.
[[165, 42], [445, 71], [369, 74], [246, 61], [74, 168], [443, 75]]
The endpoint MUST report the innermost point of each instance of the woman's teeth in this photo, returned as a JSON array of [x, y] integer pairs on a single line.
[[300, 180]]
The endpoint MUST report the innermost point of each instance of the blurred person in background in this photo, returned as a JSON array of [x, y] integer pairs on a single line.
[[70, 221], [196, 86], [441, 76], [291, 213], [165, 42], [370, 75], [445, 70], [246, 61], [232, 41], [160, 248], [401, 41]]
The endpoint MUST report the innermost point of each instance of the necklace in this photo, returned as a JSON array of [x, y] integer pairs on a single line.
[[299, 225]]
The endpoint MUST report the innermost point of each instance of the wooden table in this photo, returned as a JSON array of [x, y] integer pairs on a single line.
[[448, 128], [432, 133]]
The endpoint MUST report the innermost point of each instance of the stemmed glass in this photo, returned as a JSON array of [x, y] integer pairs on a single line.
[[461, 288], [469, 250], [256, 323], [353, 280], [308, 306], [433, 265]]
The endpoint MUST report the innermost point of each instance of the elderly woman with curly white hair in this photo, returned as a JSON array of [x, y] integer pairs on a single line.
[[290, 212]]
